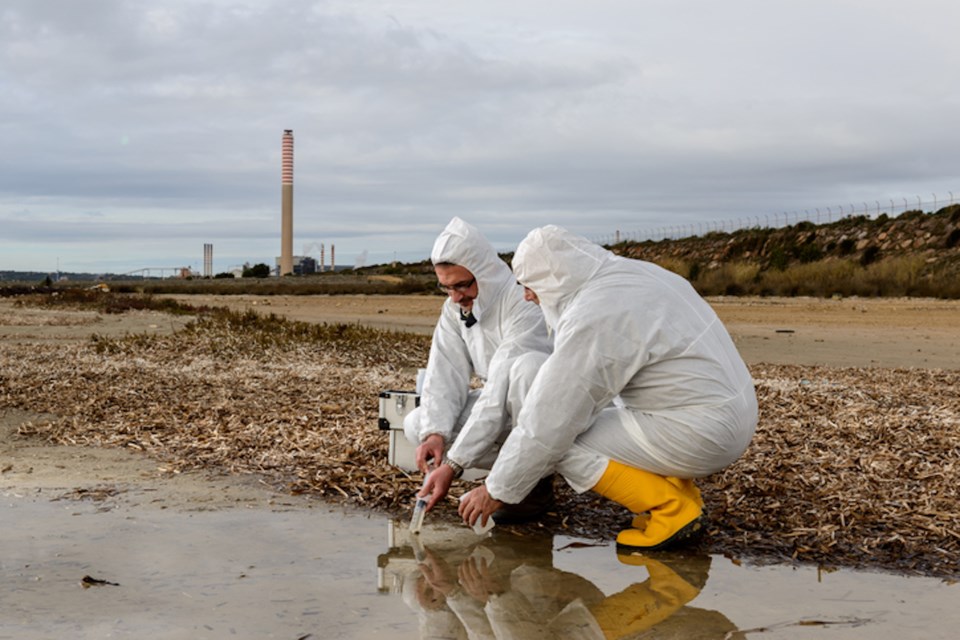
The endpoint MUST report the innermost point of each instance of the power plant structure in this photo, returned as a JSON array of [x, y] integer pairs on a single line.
[[287, 263], [286, 205], [207, 260], [306, 263]]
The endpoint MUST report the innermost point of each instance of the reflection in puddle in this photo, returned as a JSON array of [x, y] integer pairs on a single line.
[[506, 587], [464, 586], [327, 573]]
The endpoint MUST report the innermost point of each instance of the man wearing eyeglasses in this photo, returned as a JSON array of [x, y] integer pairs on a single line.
[[486, 329]]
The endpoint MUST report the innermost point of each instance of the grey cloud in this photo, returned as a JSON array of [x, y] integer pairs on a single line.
[[407, 114]]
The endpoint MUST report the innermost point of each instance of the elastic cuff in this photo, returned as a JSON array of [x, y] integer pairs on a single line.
[[445, 436]]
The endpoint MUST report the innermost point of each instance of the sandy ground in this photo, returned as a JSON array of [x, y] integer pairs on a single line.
[[172, 538], [111, 476], [895, 333], [899, 333], [106, 476]]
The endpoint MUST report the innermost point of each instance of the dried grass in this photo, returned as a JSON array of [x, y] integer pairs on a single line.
[[849, 467]]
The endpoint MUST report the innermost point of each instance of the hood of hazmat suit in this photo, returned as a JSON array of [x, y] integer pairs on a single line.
[[507, 326], [624, 328]]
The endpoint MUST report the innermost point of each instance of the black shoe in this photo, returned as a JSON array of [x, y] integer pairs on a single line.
[[537, 503]]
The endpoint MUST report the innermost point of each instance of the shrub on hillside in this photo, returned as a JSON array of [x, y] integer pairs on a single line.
[[891, 277], [825, 279], [779, 259], [953, 239], [809, 253], [677, 266], [739, 277], [870, 255]]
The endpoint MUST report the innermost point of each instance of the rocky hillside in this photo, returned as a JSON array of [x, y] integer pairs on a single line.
[[935, 236], [921, 247], [913, 254]]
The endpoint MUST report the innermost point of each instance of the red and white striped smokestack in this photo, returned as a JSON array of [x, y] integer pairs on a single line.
[[286, 204]]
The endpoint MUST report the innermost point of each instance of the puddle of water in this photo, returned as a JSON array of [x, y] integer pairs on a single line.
[[561, 588], [322, 573], [243, 573]]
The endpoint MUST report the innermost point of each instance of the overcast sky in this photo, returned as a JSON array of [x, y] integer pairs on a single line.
[[131, 132]]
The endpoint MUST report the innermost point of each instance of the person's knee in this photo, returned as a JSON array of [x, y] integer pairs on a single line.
[[411, 426], [525, 367]]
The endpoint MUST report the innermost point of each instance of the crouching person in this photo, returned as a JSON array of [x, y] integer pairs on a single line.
[[486, 328], [644, 391]]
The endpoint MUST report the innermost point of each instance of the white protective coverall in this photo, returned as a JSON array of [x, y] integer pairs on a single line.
[[504, 348], [687, 406]]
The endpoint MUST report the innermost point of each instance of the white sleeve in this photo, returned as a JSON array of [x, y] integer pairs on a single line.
[[472, 616], [447, 381], [589, 366], [524, 332]]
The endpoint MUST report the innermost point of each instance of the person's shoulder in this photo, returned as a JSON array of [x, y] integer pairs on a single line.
[[449, 319], [595, 311], [518, 310]]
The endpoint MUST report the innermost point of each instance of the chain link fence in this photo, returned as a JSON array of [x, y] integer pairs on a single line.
[[818, 215]]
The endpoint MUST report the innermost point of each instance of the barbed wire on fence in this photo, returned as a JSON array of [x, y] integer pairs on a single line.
[[819, 215]]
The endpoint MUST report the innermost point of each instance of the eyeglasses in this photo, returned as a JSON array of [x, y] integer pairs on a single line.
[[459, 287]]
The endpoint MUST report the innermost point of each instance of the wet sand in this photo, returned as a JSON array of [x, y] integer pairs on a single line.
[[198, 555]]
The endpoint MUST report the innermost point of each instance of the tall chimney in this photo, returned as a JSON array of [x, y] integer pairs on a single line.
[[286, 210], [207, 260]]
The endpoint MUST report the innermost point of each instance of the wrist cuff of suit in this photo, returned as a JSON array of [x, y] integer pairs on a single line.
[[444, 436]]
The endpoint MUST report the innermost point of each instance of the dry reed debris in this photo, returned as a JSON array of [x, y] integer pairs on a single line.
[[849, 467]]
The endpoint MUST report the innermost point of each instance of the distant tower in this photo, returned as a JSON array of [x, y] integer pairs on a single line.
[[286, 206], [322, 257], [207, 260], [333, 260]]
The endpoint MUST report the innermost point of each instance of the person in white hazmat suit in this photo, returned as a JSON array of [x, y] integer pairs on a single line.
[[486, 328], [644, 391]]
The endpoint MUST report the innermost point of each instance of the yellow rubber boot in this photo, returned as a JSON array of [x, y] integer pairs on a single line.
[[675, 515], [688, 487], [684, 485]]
